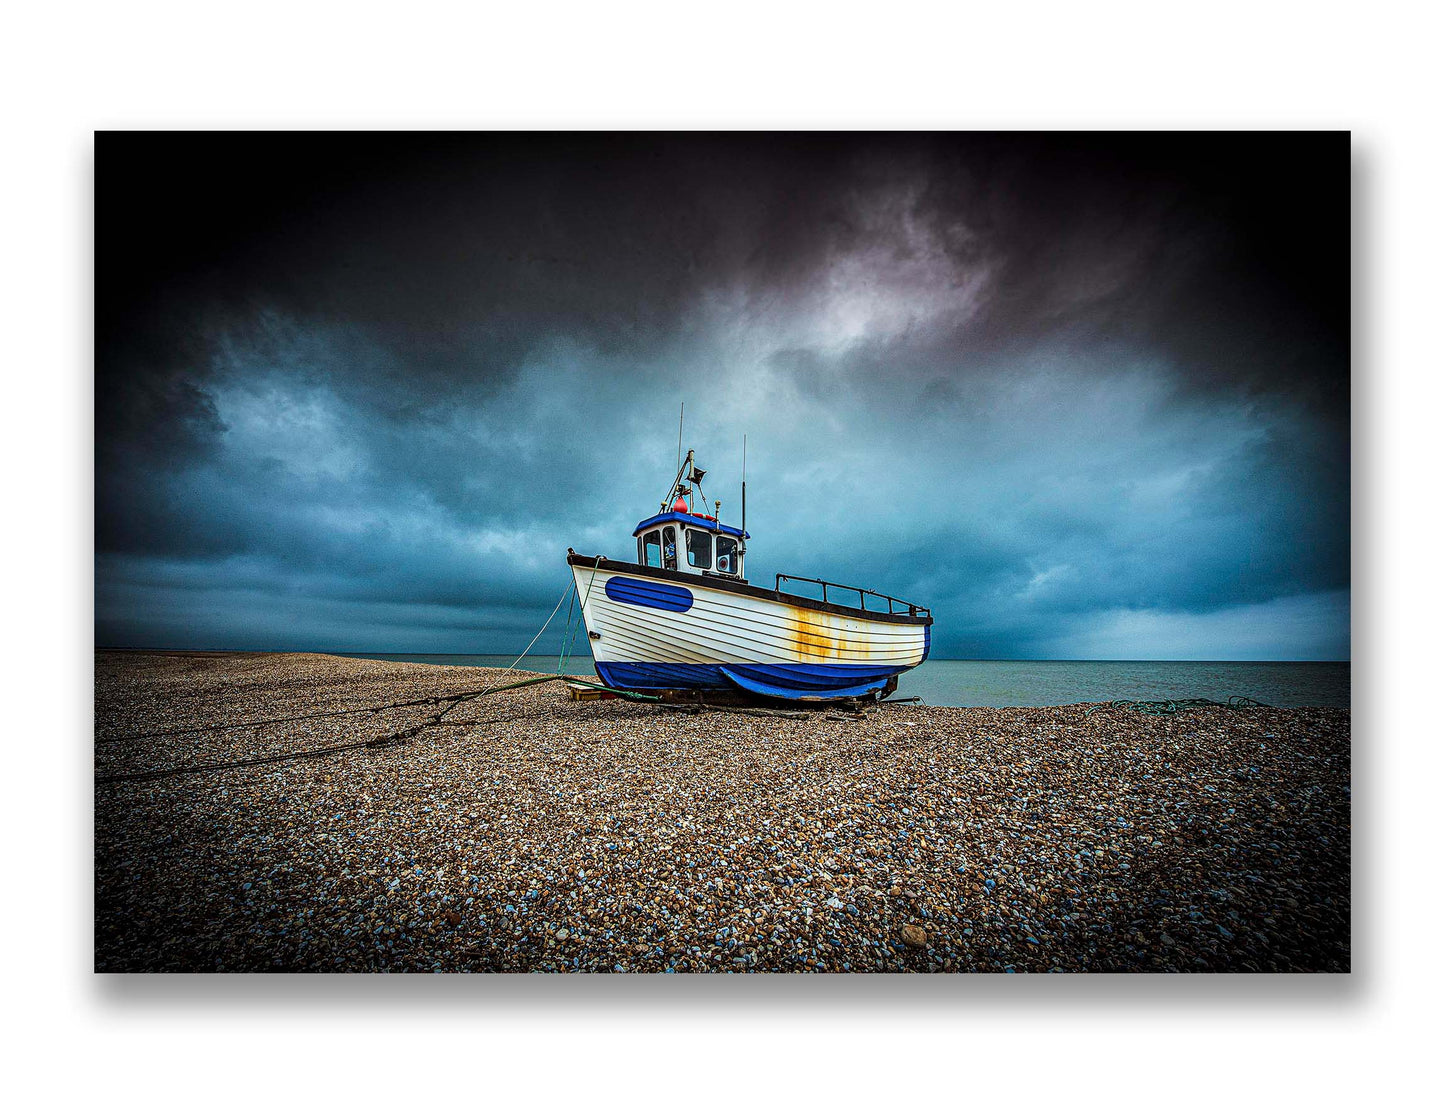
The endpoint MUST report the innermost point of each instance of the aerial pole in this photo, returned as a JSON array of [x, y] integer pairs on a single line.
[[672, 490], [680, 407]]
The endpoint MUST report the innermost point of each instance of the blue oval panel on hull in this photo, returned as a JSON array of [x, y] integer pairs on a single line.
[[644, 592]]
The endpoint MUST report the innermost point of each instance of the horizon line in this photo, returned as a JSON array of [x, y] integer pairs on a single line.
[[557, 655]]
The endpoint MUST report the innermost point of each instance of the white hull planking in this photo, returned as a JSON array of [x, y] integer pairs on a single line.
[[725, 627]]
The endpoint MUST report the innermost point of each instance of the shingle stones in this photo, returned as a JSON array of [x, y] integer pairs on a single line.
[[529, 832]]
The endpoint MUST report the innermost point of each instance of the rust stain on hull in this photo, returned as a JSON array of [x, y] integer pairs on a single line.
[[819, 636]]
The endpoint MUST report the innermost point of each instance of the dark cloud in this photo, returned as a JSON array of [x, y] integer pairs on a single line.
[[362, 391]]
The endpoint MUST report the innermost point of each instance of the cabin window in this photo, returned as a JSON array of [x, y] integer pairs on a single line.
[[727, 555], [669, 548], [699, 548], [652, 549], [640, 557]]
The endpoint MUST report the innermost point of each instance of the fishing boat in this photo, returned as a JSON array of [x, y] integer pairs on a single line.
[[684, 618]]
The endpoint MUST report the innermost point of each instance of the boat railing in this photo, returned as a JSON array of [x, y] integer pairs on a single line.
[[911, 607]]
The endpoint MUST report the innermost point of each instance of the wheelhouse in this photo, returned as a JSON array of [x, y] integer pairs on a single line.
[[691, 544]]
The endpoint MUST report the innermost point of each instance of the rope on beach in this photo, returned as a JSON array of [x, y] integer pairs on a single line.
[[451, 700], [260, 722], [454, 700], [571, 586], [305, 753], [437, 719], [1169, 706]]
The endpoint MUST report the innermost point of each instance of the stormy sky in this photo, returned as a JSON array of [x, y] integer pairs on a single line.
[[1086, 396]]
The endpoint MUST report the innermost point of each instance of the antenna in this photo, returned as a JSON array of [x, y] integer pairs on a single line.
[[745, 492], [680, 407], [674, 488]]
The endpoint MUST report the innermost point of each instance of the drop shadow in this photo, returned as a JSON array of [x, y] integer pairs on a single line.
[[833, 996]]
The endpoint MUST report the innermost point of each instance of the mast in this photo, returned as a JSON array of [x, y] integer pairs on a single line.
[[743, 541], [680, 408]]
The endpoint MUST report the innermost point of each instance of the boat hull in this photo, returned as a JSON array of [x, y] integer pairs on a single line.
[[652, 629]]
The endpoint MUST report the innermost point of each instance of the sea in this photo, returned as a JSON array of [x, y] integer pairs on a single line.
[[1043, 682]]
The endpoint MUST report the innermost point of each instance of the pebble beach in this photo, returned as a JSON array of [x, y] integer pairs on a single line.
[[529, 832]]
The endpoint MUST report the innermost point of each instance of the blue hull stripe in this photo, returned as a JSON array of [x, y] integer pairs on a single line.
[[644, 592], [743, 681], [782, 680]]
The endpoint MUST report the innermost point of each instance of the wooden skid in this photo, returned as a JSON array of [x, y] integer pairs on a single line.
[[589, 693]]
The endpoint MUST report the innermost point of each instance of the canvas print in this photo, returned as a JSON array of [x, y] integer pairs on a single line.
[[722, 552]]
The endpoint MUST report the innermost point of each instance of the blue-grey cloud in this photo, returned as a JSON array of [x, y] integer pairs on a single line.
[[1065, 391]]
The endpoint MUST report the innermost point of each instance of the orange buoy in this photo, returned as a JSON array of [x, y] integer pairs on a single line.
[[680, 506]]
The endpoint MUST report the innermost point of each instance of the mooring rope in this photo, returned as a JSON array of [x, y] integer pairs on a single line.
[[327, 749], [258, 722], [568, 642], [566, 630], [528, 648]]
